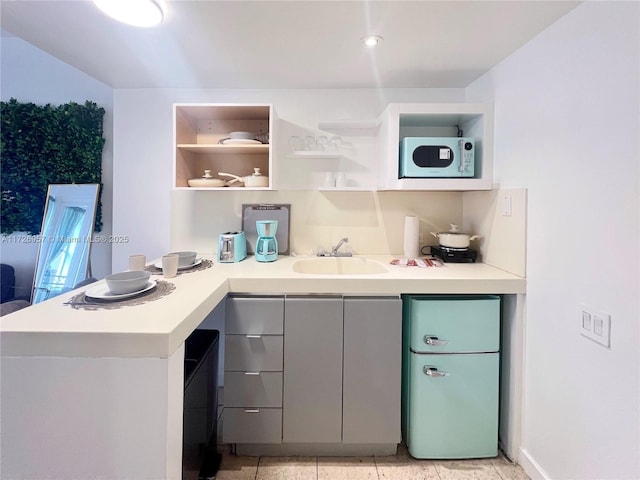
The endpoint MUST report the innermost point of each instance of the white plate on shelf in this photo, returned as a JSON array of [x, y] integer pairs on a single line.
[[194, 264], [102, 292], [240, 141]]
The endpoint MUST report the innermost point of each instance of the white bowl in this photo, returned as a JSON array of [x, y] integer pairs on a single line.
[[185, 259], [242, 135], [127, 282]]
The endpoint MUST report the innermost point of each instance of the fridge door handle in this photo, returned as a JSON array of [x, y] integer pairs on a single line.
[[432, 371], [435, 341]]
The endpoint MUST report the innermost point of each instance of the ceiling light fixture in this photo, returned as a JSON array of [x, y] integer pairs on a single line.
[[139, 13], [371, 41]]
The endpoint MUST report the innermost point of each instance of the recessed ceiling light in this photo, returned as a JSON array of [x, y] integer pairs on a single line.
[[371, 41], [139, 13]]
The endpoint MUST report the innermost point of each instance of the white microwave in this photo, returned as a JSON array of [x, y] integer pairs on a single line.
[[436, 157]]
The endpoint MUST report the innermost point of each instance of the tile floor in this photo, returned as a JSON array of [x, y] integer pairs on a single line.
[[399, 467]]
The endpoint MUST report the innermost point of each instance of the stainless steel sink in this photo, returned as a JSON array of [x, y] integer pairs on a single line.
[[339, 266]]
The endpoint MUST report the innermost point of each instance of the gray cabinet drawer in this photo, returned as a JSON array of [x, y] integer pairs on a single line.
[[254, 315], [253, 354], [244, 425], [246, 389]]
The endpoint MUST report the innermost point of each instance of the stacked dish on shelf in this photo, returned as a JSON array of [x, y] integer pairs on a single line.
[[242, 138]]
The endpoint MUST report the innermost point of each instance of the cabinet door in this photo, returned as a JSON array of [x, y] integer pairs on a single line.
[[312, 391], [372, 370]]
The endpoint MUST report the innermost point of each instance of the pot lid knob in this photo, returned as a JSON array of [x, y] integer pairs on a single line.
[[454, 228], [256, 172], [207, 174]]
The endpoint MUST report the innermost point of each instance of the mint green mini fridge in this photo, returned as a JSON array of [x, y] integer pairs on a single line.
[[451, 364]]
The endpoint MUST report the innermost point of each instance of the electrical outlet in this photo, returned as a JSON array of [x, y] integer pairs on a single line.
[[506, 204], [595, 325]]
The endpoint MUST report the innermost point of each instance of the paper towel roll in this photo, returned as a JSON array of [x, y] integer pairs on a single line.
[[411, 234]]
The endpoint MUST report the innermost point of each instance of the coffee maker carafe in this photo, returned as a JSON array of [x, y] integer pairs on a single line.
[[266, 245]]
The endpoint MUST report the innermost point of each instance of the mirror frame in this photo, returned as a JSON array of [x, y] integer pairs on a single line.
[[50, 237]]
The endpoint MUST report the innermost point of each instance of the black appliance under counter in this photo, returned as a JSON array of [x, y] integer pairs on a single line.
[[200, 428]]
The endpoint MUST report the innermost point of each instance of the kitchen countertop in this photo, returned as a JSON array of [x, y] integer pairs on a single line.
[[157, 328]]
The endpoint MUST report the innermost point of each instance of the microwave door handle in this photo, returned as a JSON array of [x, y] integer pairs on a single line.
[[461, 156]]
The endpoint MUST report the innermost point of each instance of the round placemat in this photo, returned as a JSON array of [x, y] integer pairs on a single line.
[[82, 302], [203, 265]]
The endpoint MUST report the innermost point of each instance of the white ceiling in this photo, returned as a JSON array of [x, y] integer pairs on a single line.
[[286, 44]]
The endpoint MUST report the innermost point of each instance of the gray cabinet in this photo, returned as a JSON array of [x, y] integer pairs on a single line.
[[314, 369], [372, 370], [253, 369], [312, 398], [342, 370]]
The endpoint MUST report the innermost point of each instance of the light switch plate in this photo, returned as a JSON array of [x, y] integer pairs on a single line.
[[595, 325]]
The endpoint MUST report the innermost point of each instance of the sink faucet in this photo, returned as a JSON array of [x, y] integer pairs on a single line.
[[334, 251]]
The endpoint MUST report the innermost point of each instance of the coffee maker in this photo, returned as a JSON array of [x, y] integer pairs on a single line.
[[266, 245]]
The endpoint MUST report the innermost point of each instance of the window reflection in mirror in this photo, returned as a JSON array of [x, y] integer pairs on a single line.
[[65, 239]]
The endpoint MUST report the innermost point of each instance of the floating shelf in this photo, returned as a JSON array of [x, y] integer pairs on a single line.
[[219, 148], [365, 127]]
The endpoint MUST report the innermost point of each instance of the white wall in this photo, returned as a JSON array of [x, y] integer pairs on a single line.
[[567, 125], [30, 75], [144, 204]]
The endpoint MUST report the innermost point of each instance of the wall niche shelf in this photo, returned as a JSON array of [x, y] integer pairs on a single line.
[[400, 120]]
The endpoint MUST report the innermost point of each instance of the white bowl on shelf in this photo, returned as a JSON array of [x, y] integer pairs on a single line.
[[242, 135]]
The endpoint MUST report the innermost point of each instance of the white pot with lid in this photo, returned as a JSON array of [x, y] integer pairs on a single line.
[[254, 180], [454, 238]]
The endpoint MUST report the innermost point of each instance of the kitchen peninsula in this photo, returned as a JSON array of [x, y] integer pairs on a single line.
[[99, 393]]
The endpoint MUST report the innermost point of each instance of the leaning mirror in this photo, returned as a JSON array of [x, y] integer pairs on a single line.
[[65, 239]]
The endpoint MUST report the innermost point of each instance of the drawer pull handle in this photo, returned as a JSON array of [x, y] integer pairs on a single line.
[[434, 341], [254, 336], [252, 411], [252, 373], [433, 371]]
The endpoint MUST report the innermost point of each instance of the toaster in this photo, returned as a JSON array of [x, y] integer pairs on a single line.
[[232, 247]]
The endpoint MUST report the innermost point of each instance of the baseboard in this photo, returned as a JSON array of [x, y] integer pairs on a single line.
[[316, 449], [531, 467]]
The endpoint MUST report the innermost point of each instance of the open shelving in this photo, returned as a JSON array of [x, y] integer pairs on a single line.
[[198, 129]]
